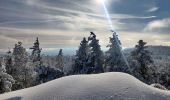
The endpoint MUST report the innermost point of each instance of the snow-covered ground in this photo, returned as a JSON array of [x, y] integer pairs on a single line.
[[106, 86]]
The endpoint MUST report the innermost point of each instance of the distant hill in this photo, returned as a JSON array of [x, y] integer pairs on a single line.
[[155, 50], [160, 50], [160, 55]]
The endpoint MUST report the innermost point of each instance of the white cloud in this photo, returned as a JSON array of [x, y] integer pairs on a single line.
[[153, 9], [158, 24], [130, 39], [65, 23]]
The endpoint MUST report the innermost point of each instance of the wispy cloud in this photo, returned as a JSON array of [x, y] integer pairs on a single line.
[[153, 9], [63, 23], [158, 25]]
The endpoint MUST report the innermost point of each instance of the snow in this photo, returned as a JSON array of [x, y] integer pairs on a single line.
[[106, 86]]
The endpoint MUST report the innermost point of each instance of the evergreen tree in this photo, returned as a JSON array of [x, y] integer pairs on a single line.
[[43, 73], [9, 62], [31, 75], [95, 57], [37, 60], [6, 80], [81, 58], [20, 67], [36, 52], [141, 57], [60, 60], [47, 74], [114, 59]]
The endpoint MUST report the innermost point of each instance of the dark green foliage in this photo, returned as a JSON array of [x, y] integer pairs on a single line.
[[142, 62], [47, 74], [80, 66], [36, 51], [95, 57]]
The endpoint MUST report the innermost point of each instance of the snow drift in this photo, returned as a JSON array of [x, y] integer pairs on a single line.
[[106, 86]]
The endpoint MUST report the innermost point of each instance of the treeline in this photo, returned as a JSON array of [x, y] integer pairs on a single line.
[[90, 59], [19, 70]]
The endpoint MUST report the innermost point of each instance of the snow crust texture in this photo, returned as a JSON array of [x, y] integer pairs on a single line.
[[106, 86]]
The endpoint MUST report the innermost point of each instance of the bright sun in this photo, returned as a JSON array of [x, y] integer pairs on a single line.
[[100, 1]]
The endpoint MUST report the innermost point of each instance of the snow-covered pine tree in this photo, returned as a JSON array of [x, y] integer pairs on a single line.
[[95, 57], [43, 73], [36, 51], [20, 68], [142, 62], [9, 62], [114, 60], [81, 58], [6, 80], [37, 61], [60, 60], [48, 74]]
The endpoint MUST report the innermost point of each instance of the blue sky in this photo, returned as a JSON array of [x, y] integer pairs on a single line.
[[63, 23]]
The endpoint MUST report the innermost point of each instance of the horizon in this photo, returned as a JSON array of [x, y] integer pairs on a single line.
[[67, 51]]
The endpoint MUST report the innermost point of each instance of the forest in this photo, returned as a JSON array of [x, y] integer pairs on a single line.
[[20, 69]]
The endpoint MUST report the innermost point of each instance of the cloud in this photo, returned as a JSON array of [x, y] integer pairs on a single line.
[[61, 14], [130, 39], [153, 9], [48, 38], [63, 23], [6, 42], [158, 25]]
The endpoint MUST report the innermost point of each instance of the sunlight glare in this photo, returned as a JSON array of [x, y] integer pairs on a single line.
[[100, 1]]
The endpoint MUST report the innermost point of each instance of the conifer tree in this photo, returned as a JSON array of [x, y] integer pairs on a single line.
[[6, 80], [37, 61], [95, 57], [142, 62], [20, 68], [114, 59], [36, 52], [60, 60], [9, 62], [43, 73], [81, 58]]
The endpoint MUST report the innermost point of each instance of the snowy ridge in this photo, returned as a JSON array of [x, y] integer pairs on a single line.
[[106, 86]]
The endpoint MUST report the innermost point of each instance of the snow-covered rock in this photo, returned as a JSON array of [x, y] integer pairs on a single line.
[[106, 86]]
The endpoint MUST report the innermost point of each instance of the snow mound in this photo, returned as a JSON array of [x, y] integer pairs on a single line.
[[106, 86]]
